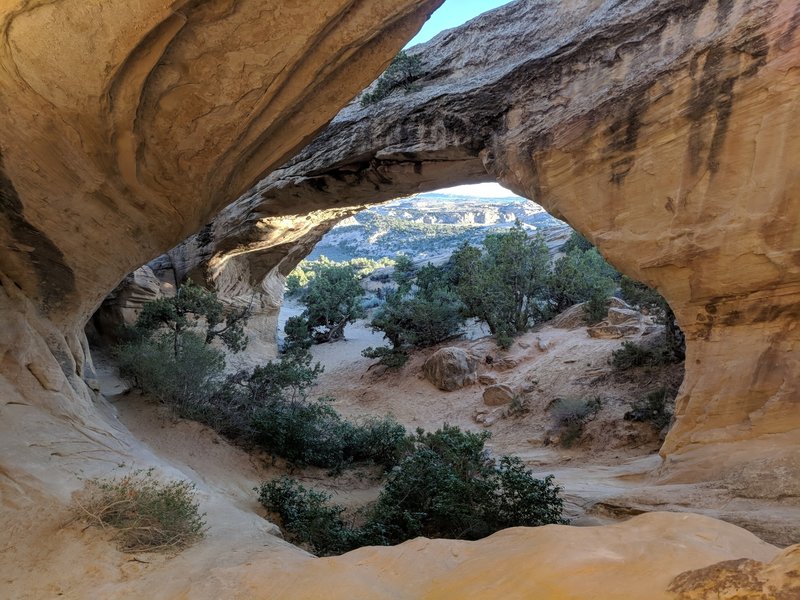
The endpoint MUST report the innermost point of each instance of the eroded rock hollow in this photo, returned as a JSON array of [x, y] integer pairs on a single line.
[[663, 130]]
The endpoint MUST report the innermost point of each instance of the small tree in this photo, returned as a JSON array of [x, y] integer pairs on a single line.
[[332, 300], [170, 355], [505, 286], [402, 72], [194, 308], [582, 276]]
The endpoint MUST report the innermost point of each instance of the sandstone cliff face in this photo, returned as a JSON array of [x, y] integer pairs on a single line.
[[661, 130]]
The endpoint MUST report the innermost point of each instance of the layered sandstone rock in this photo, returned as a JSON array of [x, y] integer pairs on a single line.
[[126, 126], [661, 130]]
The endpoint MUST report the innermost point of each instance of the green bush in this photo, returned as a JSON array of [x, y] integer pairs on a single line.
[[185, 380], [403, 71], [306, 516], [631, 355], [147, 514], [332, 300], [298, 335], [570, 415], [394, 359], [654, 408], [582, 276], [506, 285], [445, 486], [196, 309], [271, 409]]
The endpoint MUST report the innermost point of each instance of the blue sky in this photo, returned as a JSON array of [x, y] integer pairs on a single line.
[[452, 14]]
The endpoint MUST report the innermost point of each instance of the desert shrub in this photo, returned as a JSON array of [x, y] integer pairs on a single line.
[[307, 516], [576, 242], [596, 308], [380, 440], [570, 415], [582, 276], [631, 355], [332, 300], [402, 72], [394, 359], [170, 354], [654, 408], [298, 335], [185, 380], [270, 407], [148, 515], [445, 486], [195, 309], [419, 320]]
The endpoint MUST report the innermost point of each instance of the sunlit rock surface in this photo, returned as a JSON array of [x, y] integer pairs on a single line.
[[664, 130]]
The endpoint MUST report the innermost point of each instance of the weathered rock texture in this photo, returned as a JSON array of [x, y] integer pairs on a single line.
[[663, 129], [659, 129], [451, 369], [126, 126]]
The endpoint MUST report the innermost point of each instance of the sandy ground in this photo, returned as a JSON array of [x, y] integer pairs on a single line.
[[607, 476]]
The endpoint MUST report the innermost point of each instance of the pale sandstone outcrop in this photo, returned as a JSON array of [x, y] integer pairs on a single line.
[[660, 130]]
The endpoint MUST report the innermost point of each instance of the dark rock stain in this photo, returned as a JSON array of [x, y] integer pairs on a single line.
[[55, 280], [724, 8], [787, 37]]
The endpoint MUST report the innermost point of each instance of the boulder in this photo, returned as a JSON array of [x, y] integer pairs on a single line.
[[617, 316], [498, 394], [570, 318], [451, 369], [487, 379]]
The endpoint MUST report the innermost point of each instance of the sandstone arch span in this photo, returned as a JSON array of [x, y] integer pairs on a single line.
[[659, 129]]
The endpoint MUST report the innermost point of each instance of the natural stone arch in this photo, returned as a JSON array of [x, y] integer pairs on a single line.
[[661, 133]]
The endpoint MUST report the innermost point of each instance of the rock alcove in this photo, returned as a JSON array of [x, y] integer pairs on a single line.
[[661, 130]]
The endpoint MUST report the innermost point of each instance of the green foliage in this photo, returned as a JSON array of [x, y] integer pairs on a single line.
[[307, 516], [654, 408], [570, 415], [445, 486], [576, 242], [148, 515], [304, 272], [298, 335], [332, 300], [582, 276], [392, 358], [403, 71], [270, 408], [185, 380], [631, 355], [193, 308], [506, 285]]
